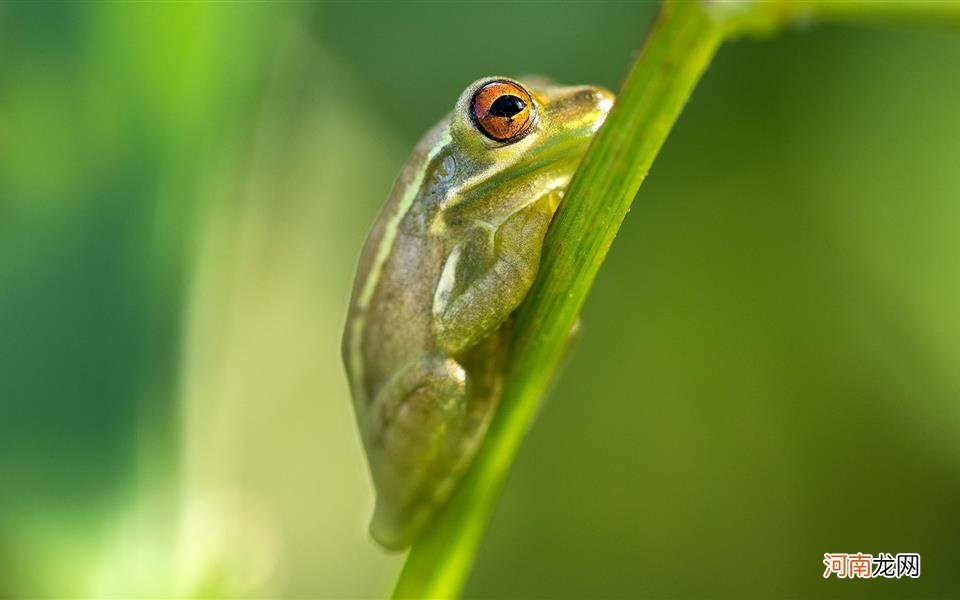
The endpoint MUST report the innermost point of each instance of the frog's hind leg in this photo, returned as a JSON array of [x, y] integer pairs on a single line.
[[418, 421]]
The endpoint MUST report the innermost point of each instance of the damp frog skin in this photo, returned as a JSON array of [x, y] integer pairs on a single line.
[[453, 253]]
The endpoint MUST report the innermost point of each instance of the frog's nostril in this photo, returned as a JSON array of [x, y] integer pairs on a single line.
[[506, 106]]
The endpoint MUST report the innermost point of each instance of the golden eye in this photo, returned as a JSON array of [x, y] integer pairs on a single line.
[[502, 111]]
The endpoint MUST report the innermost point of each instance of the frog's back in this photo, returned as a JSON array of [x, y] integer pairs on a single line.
[[398, 320], [399, 266]]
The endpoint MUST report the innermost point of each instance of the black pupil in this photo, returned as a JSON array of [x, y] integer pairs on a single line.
[[506, 106]]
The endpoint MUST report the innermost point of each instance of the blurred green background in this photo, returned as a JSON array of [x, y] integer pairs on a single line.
[[770, 360]]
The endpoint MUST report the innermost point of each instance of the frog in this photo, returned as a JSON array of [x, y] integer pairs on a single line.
[[450, 258]]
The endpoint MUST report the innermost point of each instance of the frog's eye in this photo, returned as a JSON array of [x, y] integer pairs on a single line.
[[502, 111]]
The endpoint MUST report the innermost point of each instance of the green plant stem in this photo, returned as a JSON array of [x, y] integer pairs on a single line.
[[770, 16], [678, 49]]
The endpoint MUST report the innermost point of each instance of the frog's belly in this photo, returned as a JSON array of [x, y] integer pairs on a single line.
[[399, 317]]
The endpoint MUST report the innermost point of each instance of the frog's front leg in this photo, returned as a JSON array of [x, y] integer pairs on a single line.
[[488, 275], [419, 416]]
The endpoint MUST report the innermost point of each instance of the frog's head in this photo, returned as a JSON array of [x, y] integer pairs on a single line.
[[512, 141]]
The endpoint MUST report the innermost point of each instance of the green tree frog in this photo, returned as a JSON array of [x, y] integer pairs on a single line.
[[453, 253]]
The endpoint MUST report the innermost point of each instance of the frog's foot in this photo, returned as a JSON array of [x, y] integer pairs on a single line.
[[416, 458]]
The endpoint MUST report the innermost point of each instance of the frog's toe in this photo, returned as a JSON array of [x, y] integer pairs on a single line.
[[393, 530]]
